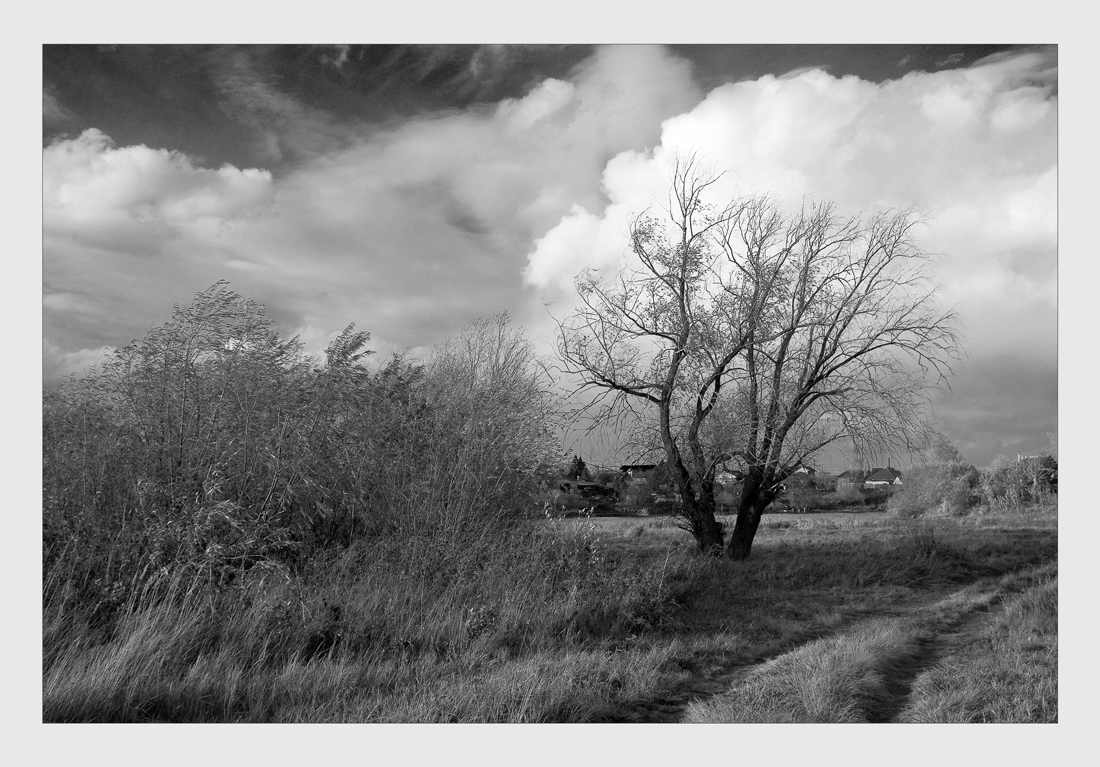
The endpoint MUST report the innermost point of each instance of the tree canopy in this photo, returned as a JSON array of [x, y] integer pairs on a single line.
[[748, 337]]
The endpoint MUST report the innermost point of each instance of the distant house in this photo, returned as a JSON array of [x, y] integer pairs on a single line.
[[638, 471], [724, 477], [849, 478], [803, 476], [888, 477], [585, 489]]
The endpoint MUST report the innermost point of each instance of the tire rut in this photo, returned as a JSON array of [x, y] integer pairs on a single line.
[[953, 632], [712, 673], [900, 672], [937, 627]]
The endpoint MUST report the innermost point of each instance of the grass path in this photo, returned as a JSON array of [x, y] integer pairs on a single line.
[[862, 668]]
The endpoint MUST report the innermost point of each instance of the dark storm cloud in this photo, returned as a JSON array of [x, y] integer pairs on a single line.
[[1001, 405], [719, 64], [249, 104]]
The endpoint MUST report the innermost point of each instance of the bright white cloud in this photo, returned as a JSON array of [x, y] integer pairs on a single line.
[[124, 229], [415, 230], [90, 187], [409, 232], [975, 150], [583, 241]]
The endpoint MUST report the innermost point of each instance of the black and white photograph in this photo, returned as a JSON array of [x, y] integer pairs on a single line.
[[586, 383]]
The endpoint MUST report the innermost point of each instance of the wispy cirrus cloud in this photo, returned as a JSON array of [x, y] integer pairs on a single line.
[[285, 128], [55, 115]]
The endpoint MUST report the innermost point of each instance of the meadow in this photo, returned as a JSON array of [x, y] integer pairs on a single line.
[[234, 531], [859, 617]]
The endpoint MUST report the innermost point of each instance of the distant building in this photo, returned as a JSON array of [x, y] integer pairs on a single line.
[[883, 478], [729, 477], [585, 489], [849, 478], [638, 471], [803, 476]]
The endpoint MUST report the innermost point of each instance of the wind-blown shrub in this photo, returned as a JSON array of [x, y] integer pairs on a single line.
[[945, 485], [945, 490], [1012, 484], [212, 445]]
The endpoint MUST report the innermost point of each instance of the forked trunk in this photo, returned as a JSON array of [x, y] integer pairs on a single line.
[[706, 529], [710, 538], [744, 529]]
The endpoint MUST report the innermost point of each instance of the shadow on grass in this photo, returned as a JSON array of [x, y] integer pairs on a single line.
[[800, 588], [606, 624]]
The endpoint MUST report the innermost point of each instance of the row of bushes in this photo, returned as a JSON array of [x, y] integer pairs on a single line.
[[947, 485], [234, 531]]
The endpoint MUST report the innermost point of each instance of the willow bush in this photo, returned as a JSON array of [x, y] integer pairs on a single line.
[[212, 445]]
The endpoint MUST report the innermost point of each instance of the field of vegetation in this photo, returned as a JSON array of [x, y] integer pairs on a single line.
[[233, 532], [836, 618]]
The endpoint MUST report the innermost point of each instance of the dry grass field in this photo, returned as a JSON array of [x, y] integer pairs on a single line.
[[867, 618], [235, 531], [834, 618]]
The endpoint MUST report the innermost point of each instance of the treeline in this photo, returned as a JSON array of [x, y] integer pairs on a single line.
[[947, 484]]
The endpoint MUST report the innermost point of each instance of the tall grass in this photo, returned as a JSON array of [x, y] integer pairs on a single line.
[[1008, 673], [838, 679], [375, 634], [571, 620], [218, 503], [233, 531], [876, 671]]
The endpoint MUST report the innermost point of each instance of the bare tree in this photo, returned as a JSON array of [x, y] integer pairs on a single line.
[[759, 339], [852, 346]]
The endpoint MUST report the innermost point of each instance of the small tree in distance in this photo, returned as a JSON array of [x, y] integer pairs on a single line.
[[578, 469], [744, 336], [944, 483]]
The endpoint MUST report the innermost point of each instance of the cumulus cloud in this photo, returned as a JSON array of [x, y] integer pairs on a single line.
[[92, 187], [973, 149], [124, 227], [410, 231], [431, 221], [415, 228]]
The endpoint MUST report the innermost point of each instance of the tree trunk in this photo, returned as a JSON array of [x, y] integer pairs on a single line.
[[708, 533], [744, 529], [710, 540]]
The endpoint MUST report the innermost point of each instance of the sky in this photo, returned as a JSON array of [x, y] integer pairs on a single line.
[[411, 189]]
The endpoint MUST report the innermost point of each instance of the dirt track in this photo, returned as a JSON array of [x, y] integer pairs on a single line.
[[939, 622]]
